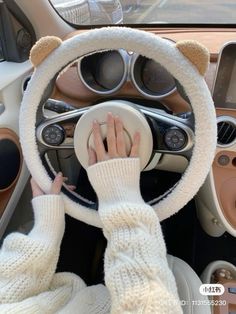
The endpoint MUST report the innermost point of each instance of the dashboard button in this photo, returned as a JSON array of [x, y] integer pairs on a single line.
[[223, 160]]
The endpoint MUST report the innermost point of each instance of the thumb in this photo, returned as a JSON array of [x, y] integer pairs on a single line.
[[57, 184], [36, 191]]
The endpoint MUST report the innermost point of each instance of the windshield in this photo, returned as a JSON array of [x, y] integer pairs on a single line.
[[95, 12]]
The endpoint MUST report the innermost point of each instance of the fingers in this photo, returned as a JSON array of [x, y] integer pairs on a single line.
[[55, 187], [71, 187], [57, 184], [135, 146], [120, 139], [98, 142], [92, 156], [116, 144], [111, 136], [36, 191]]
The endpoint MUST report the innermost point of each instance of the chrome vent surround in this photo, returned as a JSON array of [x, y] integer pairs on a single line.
[[25, 83], [226, 131]]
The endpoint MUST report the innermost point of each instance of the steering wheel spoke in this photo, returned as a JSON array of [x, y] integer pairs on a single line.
[[57, 132], [172, 134]]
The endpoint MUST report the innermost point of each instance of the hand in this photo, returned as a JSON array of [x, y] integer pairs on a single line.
[[55, 187], [115, 141]]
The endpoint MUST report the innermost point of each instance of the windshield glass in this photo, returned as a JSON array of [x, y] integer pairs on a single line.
[[95, 12]]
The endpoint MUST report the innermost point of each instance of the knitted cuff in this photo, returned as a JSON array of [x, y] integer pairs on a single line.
[[116, 180], [49, 216]]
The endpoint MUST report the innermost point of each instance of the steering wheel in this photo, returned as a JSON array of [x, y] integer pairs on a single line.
[[198, 134]]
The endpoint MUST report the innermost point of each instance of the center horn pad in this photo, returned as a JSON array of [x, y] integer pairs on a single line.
[[133, 120]]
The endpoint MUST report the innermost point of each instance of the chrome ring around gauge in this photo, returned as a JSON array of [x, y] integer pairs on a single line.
[[104, 72], [150, 78]]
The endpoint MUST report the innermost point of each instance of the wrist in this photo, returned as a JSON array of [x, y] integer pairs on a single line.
[[49, 216], [116, 180]]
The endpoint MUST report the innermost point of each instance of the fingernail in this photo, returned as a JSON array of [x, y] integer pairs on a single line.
[[110, 116], [59, 174]]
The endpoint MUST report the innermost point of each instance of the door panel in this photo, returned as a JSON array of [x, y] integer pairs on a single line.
[[14, 173]]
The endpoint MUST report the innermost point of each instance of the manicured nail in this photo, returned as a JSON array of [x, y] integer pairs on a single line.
[[110, 116]]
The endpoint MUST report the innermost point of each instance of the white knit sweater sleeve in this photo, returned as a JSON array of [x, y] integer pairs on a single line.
[[136, 270], [28, 262]]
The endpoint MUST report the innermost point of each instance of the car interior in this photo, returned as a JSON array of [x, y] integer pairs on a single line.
[[100, 56]]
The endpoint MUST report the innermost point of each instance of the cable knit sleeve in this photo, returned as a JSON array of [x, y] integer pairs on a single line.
[[28, 262], [136, 270]]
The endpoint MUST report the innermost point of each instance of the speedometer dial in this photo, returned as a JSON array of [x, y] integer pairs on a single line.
[[150, 78], [103, 72]]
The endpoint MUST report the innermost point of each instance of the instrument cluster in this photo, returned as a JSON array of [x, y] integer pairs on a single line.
[[106, 72]]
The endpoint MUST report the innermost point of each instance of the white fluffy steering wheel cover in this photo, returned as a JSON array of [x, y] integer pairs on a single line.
[[151, 46]]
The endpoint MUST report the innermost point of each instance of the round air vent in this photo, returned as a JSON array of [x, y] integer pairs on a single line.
[[25, 83], [10, 162], [226, 130]]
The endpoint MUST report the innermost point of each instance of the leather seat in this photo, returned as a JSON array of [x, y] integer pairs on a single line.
[[188, 284]]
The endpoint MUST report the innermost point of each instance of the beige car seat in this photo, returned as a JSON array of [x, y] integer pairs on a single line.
[[188, 284]]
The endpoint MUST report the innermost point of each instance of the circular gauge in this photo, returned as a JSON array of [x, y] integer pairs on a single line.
[[103, 72], [150, 78]]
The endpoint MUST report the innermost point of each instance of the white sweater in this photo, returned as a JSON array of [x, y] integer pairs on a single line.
[[136, 270]]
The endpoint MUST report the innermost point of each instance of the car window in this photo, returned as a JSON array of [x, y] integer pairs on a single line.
[[94, 12], [90, 12], [16, 33]]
